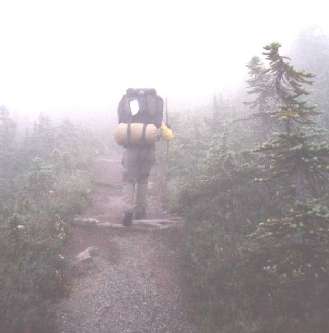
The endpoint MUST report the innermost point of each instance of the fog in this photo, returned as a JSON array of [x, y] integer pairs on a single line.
[[79, 56], [208, 213]]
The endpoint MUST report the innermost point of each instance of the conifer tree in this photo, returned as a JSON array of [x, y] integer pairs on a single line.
[[7, 134], [42, 140], [297, 160], [293, 244], [7, 154], [260, 84]]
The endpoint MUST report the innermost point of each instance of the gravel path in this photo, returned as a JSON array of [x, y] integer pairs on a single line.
[[133, 284]]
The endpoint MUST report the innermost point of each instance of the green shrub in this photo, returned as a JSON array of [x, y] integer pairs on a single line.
[[45, 183], [256, 234]]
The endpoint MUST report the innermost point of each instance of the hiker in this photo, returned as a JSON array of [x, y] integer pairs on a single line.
[[140, 114]]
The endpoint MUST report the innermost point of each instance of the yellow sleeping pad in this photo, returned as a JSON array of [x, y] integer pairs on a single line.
[[124, 135]]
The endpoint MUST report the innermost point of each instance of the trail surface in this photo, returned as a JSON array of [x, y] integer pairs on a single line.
[[134, 283]]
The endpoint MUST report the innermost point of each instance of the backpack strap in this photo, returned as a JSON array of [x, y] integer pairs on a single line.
[[129, 133], [129, 121], [144, 134]]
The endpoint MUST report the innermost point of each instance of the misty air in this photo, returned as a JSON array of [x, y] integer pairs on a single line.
[[164, 166]]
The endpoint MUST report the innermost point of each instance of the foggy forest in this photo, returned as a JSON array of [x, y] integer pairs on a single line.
[[215, 217]]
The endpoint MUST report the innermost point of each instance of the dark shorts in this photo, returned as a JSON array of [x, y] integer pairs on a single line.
[[137, 162]]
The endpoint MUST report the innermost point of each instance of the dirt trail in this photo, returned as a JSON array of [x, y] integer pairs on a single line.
[[133, 284]]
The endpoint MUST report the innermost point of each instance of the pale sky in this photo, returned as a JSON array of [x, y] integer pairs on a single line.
[[62, 55]]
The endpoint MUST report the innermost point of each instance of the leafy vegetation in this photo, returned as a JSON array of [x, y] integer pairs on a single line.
[[257, 213], [44, 181], [250, 177]]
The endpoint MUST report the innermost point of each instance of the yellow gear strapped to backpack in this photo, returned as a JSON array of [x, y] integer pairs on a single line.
[[167, 132]]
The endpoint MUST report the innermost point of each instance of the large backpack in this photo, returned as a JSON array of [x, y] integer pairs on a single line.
[[139, 128], [150, 107]]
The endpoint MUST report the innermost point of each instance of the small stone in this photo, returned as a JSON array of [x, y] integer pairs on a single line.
[[88, 253], [84, 262]]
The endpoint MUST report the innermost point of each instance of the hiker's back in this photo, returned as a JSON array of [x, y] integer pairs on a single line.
[[140, 115]]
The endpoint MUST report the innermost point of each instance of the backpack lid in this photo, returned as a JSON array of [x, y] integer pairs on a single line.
[[131, 92]]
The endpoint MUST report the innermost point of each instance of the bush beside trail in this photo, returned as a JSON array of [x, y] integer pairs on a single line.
[[256, 211], [44, 182]]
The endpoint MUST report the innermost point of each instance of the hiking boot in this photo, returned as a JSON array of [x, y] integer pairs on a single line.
[[128, 218]]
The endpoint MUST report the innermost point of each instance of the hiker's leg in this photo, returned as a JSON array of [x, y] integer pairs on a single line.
[[141, 199], [129, 195], [129, 203], [146, 161], [130, 163]]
